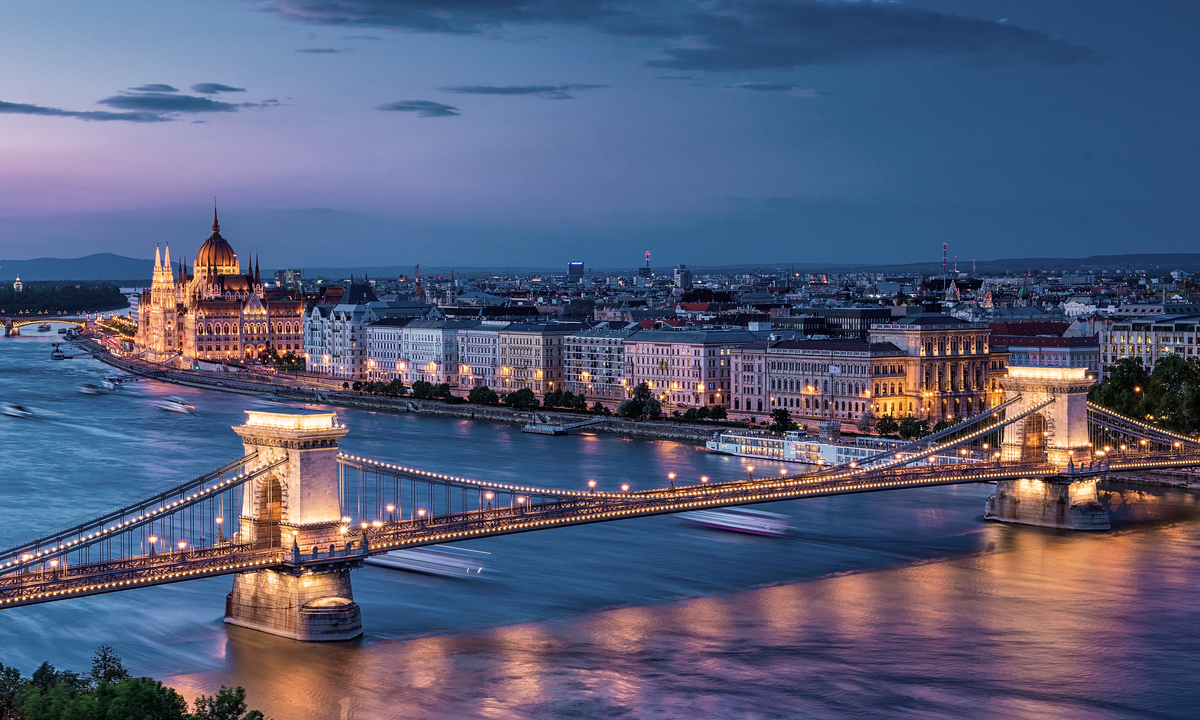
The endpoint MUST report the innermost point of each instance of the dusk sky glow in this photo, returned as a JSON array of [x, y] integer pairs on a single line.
[[486, 132]]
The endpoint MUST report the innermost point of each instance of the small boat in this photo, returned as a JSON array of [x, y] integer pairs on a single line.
[[108, 384], [58, 354], [180, 401], [62, 331], [90, 389], [17, 411], [44, 327], [444, 560], [743, 520], [173, 407]]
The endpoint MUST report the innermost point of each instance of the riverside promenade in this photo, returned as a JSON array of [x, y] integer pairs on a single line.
[[309, 390]]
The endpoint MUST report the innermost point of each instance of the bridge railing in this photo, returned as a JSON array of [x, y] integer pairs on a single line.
[[192, 513]]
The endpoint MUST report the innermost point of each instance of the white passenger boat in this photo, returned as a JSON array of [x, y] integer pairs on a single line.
[[181, 402], [799, 447], [743, 520], [444, 560], [89, 389]]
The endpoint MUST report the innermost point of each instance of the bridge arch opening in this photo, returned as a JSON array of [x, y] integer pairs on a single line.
[[1033, 446], [270, 512]]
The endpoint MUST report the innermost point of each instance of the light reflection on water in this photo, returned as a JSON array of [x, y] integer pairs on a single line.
[[900, 603]]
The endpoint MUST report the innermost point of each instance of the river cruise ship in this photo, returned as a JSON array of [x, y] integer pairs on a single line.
[[800, 447]]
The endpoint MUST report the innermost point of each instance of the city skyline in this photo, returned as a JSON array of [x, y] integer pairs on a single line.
[[500, 134]]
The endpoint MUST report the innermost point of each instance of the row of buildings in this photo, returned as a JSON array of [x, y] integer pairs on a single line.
[[748, 353]]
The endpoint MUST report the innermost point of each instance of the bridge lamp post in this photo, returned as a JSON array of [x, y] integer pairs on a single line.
[[421, 515], [671, 480], [220, 530], [152, 539], [591, 485], [391, 509], [750, 471], [53, 568], [1177, 445], [488, 496], [182, 547], [624, 487]]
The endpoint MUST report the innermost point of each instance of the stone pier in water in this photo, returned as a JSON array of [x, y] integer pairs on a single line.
[[295, 508]]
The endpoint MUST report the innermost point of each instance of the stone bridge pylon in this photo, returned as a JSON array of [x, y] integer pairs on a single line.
[[293, 507], [1057, 434]]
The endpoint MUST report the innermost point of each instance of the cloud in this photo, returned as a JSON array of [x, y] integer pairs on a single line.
[[146, 103], [97, 115], [720, 35], [167, 103], [362, 37], [320, 51], [423, 108], [214, 88], [548, 92], [155, 87], [774, 87]]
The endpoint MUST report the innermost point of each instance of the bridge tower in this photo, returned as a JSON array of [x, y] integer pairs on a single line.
[[1056, 434], [292, 507]]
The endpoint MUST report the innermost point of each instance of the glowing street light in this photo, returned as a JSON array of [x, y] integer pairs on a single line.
[[624, 487]]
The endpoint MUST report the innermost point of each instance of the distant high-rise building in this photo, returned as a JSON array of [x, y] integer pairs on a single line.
[[683, 277], [288, 278], [575, 269]]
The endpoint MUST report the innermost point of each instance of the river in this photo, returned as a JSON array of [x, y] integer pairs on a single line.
[[902, 603]]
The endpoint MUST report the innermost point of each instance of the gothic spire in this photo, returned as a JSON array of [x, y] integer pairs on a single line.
[[257, 277], [216, 225], [157, 258], [167, 258]]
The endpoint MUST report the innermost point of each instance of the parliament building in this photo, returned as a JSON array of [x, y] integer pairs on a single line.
[[215, 313]]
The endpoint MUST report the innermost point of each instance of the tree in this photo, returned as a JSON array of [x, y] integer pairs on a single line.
[[689, 414], [421, 390], [908, 428], [552, 399], [107, 666], [225, 705], [482, 395], [599, 408], [887, 425], [441, 391], [580, 402], [717, 412], [866, 421], [781, 419], [702, 412], [11, 684], [520, 399], [356, 386]]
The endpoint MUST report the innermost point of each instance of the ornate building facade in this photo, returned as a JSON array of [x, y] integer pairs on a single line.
[[215, 313]]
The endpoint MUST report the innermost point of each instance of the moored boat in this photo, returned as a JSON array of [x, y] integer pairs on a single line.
[[44, 327]]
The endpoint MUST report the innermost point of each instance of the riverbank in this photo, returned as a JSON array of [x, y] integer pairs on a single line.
[[267, 386]]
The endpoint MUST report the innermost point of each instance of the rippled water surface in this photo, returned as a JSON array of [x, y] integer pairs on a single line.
[[891, 604]]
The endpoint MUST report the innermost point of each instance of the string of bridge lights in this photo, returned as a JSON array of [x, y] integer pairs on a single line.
[[146, 516]]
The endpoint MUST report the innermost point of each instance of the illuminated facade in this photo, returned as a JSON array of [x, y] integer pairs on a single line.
[[685, 368], [595, 364], [531, 356], [215, 313]]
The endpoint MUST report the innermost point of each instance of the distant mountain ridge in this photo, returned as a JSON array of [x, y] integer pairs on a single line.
[[100, 266], [107, 266]]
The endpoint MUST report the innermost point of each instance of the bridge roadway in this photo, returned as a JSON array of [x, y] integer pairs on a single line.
[[32, 585]]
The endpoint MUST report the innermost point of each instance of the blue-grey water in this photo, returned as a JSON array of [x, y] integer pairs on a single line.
[[891, 604]]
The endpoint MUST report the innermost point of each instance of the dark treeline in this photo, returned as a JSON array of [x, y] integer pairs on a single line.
[[1169, 396], [109, 692], [59, 299]]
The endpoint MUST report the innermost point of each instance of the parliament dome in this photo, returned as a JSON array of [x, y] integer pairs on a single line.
[[216, 254]]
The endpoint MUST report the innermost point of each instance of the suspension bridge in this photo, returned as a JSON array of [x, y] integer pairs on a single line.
[[292, 516]]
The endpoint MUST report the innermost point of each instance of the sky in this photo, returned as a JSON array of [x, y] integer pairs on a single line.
[[531, 133]]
